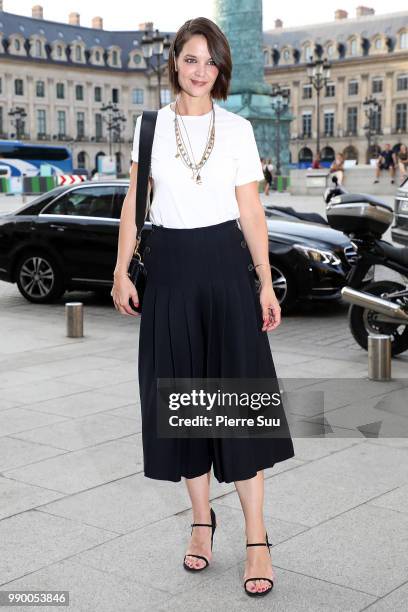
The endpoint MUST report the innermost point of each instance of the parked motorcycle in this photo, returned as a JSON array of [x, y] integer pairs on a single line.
[[382, 306]]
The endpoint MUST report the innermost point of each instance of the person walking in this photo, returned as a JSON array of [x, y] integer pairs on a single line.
[[266, 168], [202, 313]]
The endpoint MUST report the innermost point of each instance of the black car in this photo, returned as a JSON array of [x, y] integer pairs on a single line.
[[66, 239], [399, 231]]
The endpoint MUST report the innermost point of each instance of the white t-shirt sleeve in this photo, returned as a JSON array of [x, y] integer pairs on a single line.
[[136, 136], [249, 163]]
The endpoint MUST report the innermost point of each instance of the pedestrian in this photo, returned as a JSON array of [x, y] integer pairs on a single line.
[[402, 158], [337, 168], [202, 314], [316, 162], [385, 161], [266, 168]]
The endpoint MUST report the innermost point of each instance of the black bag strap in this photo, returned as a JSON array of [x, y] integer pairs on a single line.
[[147, 127]]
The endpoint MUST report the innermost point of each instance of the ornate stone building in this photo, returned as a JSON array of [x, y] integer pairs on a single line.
[[61, 74], [368, 56]]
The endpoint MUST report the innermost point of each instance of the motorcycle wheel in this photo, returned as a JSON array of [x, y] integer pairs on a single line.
[[362, 321]]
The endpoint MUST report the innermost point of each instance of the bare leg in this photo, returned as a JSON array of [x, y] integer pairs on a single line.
[[340, 175], [377, 172], [200, 543], [258, 563], [392, 172]]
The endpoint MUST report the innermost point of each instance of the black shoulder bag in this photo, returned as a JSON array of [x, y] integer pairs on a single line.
[[136, 270]]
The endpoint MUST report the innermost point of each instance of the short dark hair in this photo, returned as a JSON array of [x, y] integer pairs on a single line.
[[218, 47]]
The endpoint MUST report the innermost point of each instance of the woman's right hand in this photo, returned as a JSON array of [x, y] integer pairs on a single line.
[[122, 291]]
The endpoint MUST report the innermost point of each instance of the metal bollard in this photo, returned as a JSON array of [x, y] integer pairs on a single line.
[[74, 316], [379, 357]]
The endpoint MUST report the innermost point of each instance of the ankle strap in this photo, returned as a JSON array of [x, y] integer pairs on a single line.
[[200, 525], [260, 544]]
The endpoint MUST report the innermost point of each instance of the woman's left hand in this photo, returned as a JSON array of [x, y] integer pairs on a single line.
[[271, 311]]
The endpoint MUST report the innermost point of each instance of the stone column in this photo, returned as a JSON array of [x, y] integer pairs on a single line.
[[387, 109]]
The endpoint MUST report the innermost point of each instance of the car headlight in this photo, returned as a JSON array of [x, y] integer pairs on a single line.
[[319, 255]]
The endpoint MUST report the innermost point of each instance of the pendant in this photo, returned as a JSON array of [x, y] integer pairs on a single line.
[[198, 180]]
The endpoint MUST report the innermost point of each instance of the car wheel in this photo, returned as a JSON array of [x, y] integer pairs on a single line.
[[39, 278], [283, 286]]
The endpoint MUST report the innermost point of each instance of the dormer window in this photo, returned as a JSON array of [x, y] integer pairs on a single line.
[[353, 47], [17, 44], [403, 40], [78, 54], [114, 57]]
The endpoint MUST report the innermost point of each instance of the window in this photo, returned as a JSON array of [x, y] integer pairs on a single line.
[[378, 43], [38, 48], [98, 125], [286, 55], [353, 88], [80, 124], [85, 202], [352, 112], [308, 53], [97, 56], [404, 40], [286, 92], [1, 85], [376, 120], [115, 95], [40, 89], [401, 116], [60, 90], [18, 87], [78, 53], [402, 82], [59, 51], [330, 50], [1, 119], [377, 86], [79, 92], [114, 58], [137, 96], [41, 124], [307, 92], [329, 123], [353, 47], [61, 123], [165, 96], [330, 91], [307, 125], [17, 44], [98, 94]]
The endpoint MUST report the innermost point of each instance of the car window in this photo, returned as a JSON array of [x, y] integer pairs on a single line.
[[85, 202], [120, 194]]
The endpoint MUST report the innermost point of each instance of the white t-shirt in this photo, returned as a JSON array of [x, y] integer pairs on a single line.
[[178, 201]]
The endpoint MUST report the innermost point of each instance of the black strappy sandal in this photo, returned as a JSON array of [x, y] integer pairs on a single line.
[[213, 526], [259, 593]]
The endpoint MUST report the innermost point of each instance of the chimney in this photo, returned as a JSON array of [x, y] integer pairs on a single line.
[[147, 25], [37, 11], [278, 23], [97, 23], [1, 5], [73, 19], [340, 14], [362, 11]]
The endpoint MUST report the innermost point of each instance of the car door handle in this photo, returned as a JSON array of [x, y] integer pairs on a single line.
[[59, 227]]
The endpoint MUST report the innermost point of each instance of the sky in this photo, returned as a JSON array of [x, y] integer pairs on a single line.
[[167, 15]]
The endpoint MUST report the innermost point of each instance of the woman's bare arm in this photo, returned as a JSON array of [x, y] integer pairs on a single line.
[[127, 228]]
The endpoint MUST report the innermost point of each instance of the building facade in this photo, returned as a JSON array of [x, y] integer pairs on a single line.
[[368, 55], [62, 74]]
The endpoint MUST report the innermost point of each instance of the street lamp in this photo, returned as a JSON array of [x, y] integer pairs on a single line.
[[371, 106], [159, 46], [19, 113], [113, 121], [279, 105], [318, 72]]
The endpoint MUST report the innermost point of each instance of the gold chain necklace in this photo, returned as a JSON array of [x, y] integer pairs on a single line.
[[182, 149]]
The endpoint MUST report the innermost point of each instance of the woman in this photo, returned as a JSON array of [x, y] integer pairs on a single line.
[[337, 167], [402, 158], [202, 315]]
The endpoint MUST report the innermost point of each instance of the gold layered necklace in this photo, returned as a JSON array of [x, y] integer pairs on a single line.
[[182, 151]]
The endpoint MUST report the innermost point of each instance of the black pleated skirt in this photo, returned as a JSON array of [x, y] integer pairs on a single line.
[[202, 318]]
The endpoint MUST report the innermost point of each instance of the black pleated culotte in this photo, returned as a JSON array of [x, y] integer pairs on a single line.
[[202, 318]]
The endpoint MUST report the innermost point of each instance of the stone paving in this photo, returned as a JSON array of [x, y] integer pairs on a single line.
[[77, 513]]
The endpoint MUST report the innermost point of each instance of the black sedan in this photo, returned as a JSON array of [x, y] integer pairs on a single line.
[[66, 239]]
